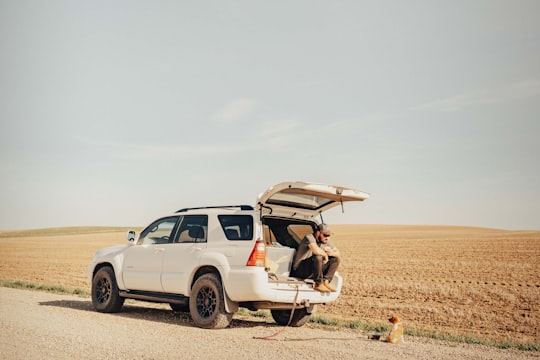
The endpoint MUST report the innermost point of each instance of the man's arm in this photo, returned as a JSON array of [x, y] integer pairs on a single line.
[[316, 250], [333, 252]]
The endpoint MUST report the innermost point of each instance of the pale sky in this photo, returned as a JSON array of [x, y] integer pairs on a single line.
[[114, 113]]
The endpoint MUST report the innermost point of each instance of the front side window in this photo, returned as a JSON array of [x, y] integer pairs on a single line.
[[159, 232], [193, 228], [237, 227]]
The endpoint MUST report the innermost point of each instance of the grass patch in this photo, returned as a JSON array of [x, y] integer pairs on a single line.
[[243, 312], [316, 319], [55, 289], [465, 339], [361, 325]]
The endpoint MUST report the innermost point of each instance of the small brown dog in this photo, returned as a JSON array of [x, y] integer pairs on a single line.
[[396, 333]]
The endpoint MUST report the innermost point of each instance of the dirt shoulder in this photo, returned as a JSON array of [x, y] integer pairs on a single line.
[[49, 326]]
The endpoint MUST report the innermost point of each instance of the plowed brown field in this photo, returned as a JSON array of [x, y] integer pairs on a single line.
[[460, 280]]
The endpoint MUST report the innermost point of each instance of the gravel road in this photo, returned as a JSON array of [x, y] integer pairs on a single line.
[[39, 325]]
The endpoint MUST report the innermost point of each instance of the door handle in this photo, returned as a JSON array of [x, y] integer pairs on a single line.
[[158, 250], [196, 248]]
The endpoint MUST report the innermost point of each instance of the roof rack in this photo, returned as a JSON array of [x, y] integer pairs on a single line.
[[241, 207]]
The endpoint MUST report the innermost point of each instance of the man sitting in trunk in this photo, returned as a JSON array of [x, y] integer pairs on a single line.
[[316, 258]]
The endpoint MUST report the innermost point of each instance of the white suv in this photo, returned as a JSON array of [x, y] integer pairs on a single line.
[[212, 260]]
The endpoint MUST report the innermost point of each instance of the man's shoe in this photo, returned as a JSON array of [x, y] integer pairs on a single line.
[[320, 287], [327, 285]]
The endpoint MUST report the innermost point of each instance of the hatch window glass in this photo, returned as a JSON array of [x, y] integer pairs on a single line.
[[302, 201]]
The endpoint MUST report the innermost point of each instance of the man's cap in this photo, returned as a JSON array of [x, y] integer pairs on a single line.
[[325, 229]]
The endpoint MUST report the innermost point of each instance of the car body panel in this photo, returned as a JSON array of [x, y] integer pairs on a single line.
[[253, 285], [112, 255], [142, 267], [179, 261]]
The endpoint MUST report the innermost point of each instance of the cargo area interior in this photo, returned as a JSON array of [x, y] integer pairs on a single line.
[[282, 237]]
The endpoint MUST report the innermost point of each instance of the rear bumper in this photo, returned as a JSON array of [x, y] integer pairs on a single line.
[[254, 286]]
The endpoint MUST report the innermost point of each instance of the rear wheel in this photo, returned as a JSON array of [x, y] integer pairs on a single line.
[[105, 297], [207, 305], [299, 318]]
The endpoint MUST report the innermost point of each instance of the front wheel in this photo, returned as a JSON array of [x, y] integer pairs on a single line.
[[207, 305], [105, 295], [299, 318]]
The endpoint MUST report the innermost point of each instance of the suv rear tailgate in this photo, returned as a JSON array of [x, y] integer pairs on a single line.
[[253, 284], [304, 199]]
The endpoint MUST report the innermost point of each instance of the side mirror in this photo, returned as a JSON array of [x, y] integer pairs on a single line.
[[130, 236]]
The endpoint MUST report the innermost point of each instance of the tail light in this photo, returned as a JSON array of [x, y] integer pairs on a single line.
[[258, 255]]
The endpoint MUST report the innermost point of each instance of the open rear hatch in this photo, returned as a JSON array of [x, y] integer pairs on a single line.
[[305, 200], [287, 211]]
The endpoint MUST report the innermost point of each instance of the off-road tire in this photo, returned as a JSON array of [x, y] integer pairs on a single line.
[[207, 305], [299, 318], [105, 297]]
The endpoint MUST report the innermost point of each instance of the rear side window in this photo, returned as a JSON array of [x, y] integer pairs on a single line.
[[237, 227], [193, 228]]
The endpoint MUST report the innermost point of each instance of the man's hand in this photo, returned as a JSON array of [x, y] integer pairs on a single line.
[[325, 258]]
